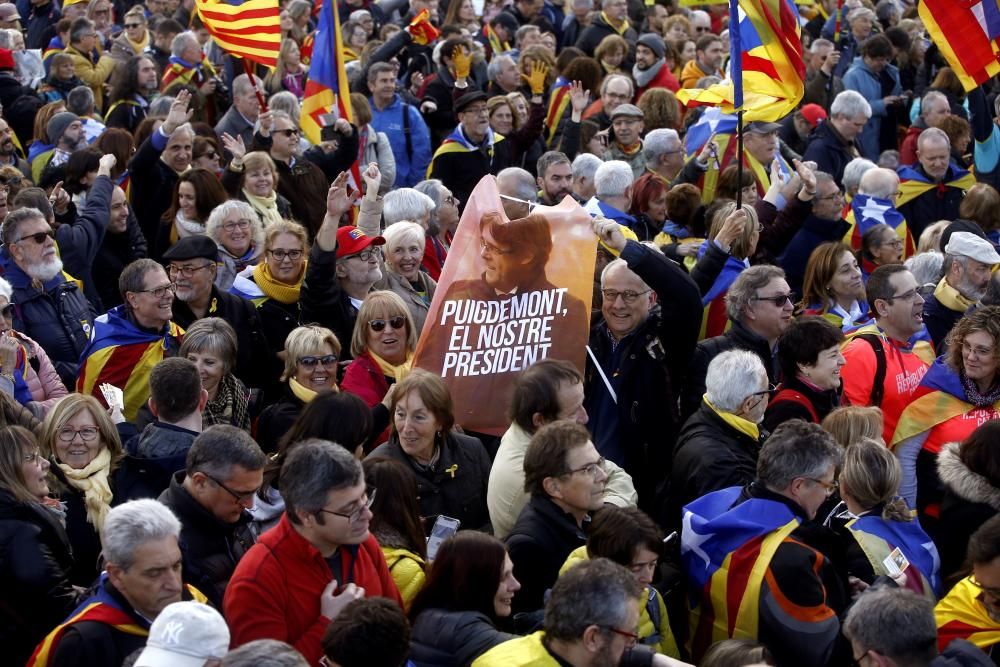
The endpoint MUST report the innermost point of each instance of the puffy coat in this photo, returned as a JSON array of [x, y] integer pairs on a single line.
[[210, 548], [35, 559], [94, 73], [41, 377], [830, 151], [455, 485], [442, 638], [970, 499], [407, 570]]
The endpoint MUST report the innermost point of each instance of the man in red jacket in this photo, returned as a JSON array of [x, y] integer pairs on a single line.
[[651, 69], [319, 557]]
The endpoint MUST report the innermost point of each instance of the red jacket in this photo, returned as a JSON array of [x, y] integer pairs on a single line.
[[908, 149], [663, 79], [274, 592], [365, 380]]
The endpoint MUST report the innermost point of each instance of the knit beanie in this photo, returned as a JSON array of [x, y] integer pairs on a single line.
[[58, 124], [654, 43]]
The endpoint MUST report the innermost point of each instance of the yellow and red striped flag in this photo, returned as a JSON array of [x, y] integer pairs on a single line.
[[967, 32], [248, 29]]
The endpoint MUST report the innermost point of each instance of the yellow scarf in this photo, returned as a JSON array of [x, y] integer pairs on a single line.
[[621, 29], [141, 45], [275, 289], [266, 206], [303, 393], [744, 426], [398, 372], [93, 481], [950, 298]]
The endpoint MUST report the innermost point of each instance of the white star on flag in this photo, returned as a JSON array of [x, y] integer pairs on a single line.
[[872, 210], [691, 540]]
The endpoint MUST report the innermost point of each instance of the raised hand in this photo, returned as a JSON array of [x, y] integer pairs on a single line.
[[106, 164], [59, 198], [234, 145], [578, 97], [732, 228], [338, 200], [372, 178], [462, 62], [178, 114], [609, 232]]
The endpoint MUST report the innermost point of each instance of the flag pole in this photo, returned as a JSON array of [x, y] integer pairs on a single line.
[[253, 82], [739, 162], [736, 74]]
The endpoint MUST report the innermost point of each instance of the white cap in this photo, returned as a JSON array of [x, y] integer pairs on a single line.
[[975, 247], [185, 634]]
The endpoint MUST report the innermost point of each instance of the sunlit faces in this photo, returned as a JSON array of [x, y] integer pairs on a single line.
[[557, 181], [313, 373], [153, 580], [387, 338], [416, 427], [187, 200], [346, 517], [227, 498], [475, 120], [580, 489], [118, 222], [78, 441], [825, 373], [570, 399], [934, 156], [361, 268], [506, 590], [846, 284], [193, 279], [286, 258], [211, 369], [177, 154], [644, 57], [405, 258], [502, 119], [35, 471], [904, 313], [811, 493], [34, 250], [975, 278], [711, 57], [260, 181], [284, 141], [627, 129], [153, 306], [889, 249], [979, 357], [626, 301], [762, 146], [236, 234], [616, 92], [770, 310]]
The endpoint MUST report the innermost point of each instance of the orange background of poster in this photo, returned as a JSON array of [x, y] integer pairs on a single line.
[[481, 402]]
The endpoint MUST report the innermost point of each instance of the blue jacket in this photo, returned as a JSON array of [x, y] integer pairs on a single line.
[[862, 79], [410, 168]]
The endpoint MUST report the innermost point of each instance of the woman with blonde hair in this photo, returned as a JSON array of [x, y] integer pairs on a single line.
[[741, 249], [930, 238], [83, 447], [253, 177], [879, 521], [852, 423], [981, 204], [289, 73]]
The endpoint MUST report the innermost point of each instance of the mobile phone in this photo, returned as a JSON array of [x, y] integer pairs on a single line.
[[444, 527]]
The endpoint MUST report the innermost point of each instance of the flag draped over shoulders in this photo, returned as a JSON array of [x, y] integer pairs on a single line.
[[121, 354], [248, 29], [767, 78], [966, 32], [961, 615], [912, 183], [866, 212], [878, 537]]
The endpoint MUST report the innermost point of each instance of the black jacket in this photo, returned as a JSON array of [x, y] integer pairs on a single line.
[[455, 485], [80, 240], [653, 360], [115, 253], [830, 151], [542, 538], [814, 231], [939, 320], [823, 402], [739, 337], [462, 171], [210, 548], [442, 638], [152, 186], [82, 534], [151, 459], [35, 560], [598, 30], [709, 455], [276, 419], [933, 205], [252, 346], [970, 499]]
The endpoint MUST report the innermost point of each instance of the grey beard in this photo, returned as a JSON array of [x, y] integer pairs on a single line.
[[45, 272], [970, 291]]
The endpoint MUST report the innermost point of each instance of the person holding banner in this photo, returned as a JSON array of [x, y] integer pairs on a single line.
[[638, 357]]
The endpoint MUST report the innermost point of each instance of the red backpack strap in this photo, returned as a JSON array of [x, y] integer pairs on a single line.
[[792, 396]]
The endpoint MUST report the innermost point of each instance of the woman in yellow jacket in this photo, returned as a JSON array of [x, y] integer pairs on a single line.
[[396, 523], [629, 537]]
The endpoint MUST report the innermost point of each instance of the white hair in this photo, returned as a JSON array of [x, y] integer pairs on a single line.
[[612, 179], [854, 170], [242, 85], [850, 104], [181, 42], [879, 182], [405, 204], [6, 290], [926, 267], [732, 377], [658, 142], [585, 166], [933, 134], [132, 524], [402, 233], [614, 265]]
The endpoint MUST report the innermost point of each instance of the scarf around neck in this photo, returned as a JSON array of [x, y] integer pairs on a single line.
[[187, 227], [619, 29], [267, 206], [274, 288], [951, 298], [644, 76], [396, 372], [229, 405], [978, 398], [738, 423], [93, 481], [302, 392]]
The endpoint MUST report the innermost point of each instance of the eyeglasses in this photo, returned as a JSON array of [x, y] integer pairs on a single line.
[[836, 195], [397, 322], [770, 390], [7, 311], [701, 28], [32, 457], [282, 255], [87, 433], [628, 296], [632, 637], [829, 487], [367, 255], [186, 271], [451, 199], [905, 296], [895, 243], [159, 292], [590, 469], [290, 132], [992, 592], [242, 225], [486, 246], [779, 300], [133, 25], [479, 111], [978, 350], [354, 516], [240, 497], [37, 237], [311, 361]]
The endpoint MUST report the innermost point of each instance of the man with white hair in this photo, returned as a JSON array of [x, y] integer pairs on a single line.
[[853, 172], [934, 107], [616, 89], [142, 576], [933, 189], [613, 193], [503, 75], [585, 167], [643, 354], [968, 263], [718, 445], [239, 121], [664, 154], [875, 204], [834, 143]]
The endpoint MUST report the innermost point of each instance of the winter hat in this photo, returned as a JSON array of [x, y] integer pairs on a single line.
[[58, 124], [654, 43]]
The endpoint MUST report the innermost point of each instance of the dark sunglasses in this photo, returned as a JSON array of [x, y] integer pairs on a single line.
[[133, 25], [396, 322], [38, 237], [326, 360]]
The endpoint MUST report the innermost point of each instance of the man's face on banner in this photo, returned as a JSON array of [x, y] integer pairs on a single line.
[[505, 265]]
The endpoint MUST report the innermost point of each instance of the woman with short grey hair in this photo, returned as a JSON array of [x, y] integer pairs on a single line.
[[442, 225], [210, 343], [239, 234]]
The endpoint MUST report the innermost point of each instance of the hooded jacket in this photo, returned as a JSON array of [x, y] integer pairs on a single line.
[[151, 459], [970, 500]]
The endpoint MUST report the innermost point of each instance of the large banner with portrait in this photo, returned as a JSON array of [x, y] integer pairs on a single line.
[[512, 292]]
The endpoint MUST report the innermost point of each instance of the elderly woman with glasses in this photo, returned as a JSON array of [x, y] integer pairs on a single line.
[[810, 360], [240, 236], [452, 469], [879, 245], [35, 553], [84, 449], [26, 372]]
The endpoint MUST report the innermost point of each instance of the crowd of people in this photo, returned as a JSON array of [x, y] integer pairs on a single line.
[[215, 447]]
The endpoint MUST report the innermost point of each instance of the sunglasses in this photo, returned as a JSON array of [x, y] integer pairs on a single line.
[[326, 360], [288, 132], [38, 237], [396, 322], [778, 300], [133, 25]]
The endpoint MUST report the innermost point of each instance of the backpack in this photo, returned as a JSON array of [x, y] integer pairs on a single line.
[[792, 396], [878, 384]]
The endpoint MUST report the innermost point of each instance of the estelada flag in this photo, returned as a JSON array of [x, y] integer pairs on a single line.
[[512, 292], [961, 615], [248, 29], [966, 32], [326, 88], [866, 212]]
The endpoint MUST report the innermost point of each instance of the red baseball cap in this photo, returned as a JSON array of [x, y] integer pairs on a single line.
[[813, 113], [351, 241]]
